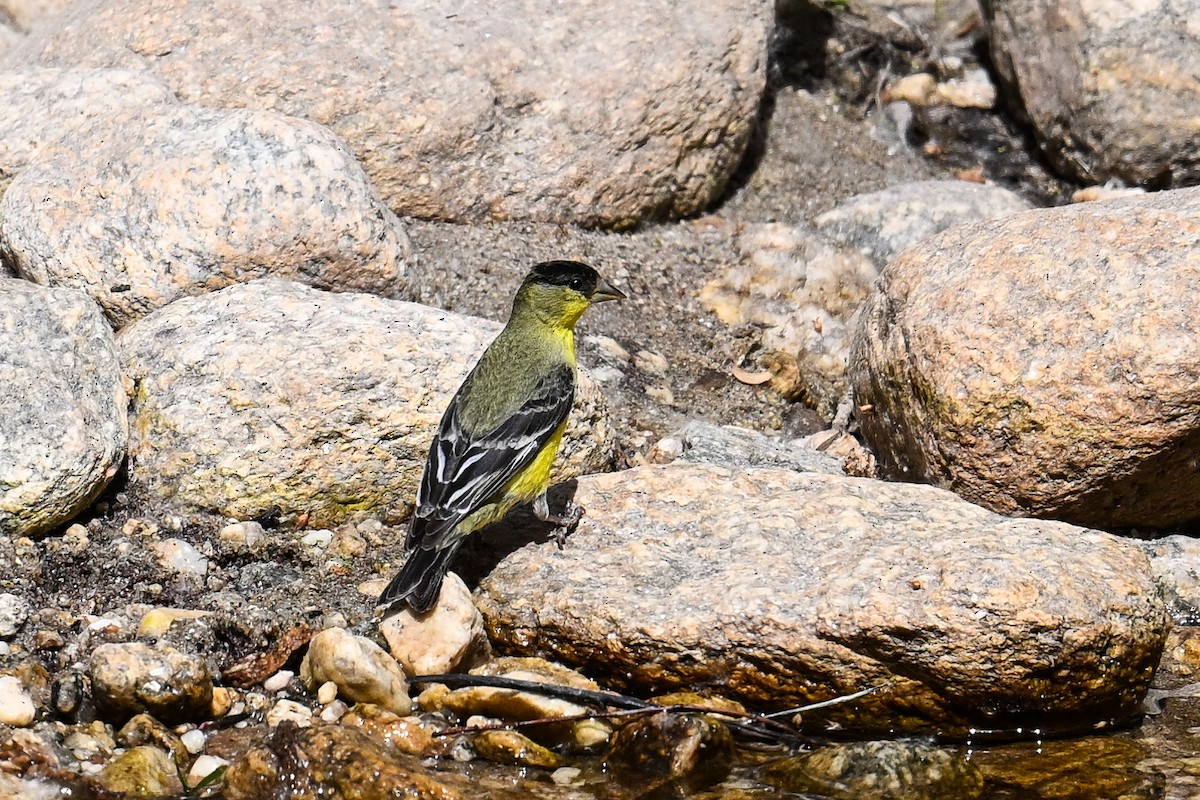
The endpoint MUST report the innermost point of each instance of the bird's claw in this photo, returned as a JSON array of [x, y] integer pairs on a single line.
[[567, 524]]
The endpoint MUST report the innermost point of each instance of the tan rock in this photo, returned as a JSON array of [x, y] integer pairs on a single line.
[[518, 705], [28, 14], [804, 284], [448, 638], [802, 290], [513, 747], [289, 712], [155, 203], [588, 116], [362, 670], [271, 394], [786, 588], [1045, 363]]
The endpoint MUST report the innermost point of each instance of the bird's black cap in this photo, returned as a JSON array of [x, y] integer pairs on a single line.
[[574, 275]]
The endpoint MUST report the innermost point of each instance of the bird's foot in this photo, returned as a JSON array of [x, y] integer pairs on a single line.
[[566, 524]]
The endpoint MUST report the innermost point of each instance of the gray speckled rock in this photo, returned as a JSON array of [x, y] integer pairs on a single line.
[[1176, 564], [63, 425], [274, 394], [44, 105], [779, 588], [150, 204], [731, 446], [596, 114], [1109, 86], [14, 610], [1045, 363], [882, 224]]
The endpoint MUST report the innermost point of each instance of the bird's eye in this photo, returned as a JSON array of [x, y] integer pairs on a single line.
[[577, 284]]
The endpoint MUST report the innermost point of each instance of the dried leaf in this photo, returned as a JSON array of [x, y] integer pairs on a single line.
[[257, 667], [752, 378]]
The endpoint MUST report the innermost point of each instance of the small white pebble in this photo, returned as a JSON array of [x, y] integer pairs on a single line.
[[606, 374], [609, 347], [279, 681], [318, 540], [666, 450], [242, 534], [256, 701], [203, 767], [565, 776], [178, 555], [327, 693], [334, 711], [16, 705], [291, 711], [194, 740]]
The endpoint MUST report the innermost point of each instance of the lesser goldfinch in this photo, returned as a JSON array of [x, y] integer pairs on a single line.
[[498, 438]]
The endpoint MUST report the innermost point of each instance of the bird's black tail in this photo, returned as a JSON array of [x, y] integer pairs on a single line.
[[420, 579]]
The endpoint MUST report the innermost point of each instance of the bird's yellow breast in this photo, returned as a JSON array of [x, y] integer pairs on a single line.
[[532, 481]]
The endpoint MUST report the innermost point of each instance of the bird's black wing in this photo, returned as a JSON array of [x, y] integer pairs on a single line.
[[465, 470]]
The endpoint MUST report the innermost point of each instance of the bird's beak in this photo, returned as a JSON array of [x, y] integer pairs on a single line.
[[606, 291]]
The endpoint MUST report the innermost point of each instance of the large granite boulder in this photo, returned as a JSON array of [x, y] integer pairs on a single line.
[[1045, 363], [592, 113], [779, 588]]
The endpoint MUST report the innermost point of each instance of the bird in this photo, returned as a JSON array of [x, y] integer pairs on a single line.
[[497, 440]]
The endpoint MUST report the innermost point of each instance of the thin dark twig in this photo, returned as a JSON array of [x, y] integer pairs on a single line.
[[586, 696], [755, 726]]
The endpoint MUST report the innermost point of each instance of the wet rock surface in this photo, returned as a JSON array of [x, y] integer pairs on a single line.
[[334, 761], [879, 771], [130, 678], [679, 753]]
